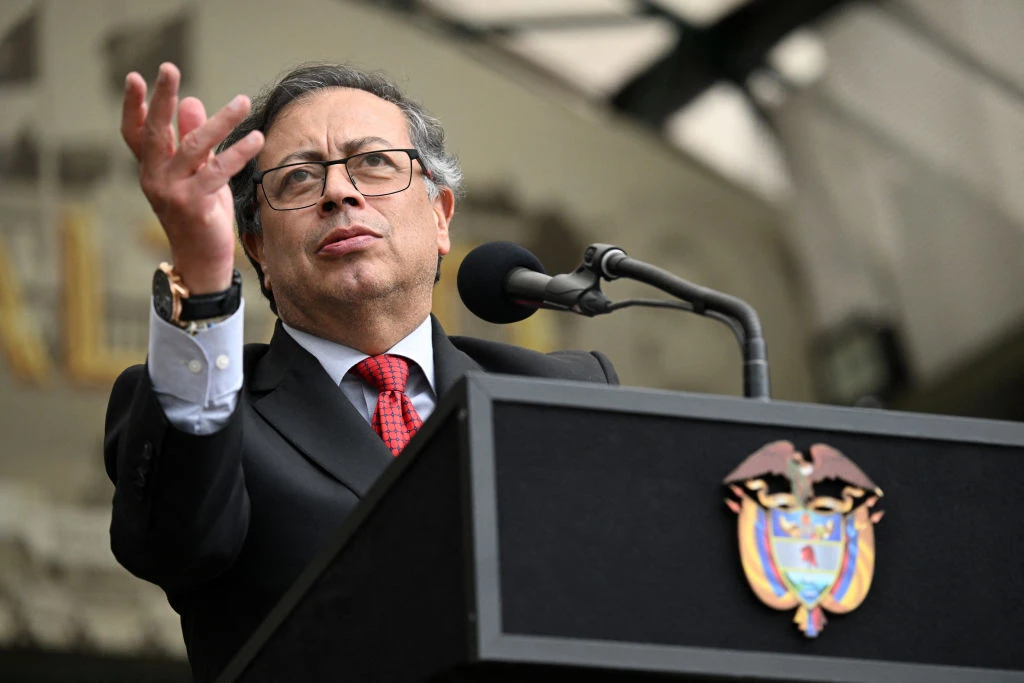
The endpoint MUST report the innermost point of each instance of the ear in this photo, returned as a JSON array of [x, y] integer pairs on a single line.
[[444, 208], [253, 245]]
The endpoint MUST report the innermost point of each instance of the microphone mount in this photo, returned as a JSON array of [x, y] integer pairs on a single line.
[[578, 291]]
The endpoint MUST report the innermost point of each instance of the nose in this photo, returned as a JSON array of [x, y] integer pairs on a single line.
[[339, 191]]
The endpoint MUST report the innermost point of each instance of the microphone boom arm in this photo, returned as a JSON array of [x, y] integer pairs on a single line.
[[611, 262]]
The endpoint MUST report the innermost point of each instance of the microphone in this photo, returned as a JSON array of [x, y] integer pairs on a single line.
[[502, 282], [482, 281]]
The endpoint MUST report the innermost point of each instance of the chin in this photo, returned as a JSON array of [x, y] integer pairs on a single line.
[[362, 290]]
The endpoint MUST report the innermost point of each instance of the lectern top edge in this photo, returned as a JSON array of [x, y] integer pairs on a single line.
[[733, 409]]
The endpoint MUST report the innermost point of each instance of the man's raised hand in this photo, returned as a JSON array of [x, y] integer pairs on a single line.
[[184, 181]]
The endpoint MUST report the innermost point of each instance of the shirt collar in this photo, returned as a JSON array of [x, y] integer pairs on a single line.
[[338, 359]]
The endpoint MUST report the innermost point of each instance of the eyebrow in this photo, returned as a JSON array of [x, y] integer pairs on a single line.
[[349, 148]]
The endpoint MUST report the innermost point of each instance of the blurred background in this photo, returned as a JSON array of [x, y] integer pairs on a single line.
[[855, 170]]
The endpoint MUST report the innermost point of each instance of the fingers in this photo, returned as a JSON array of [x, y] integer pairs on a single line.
[[157, 132], [133, 111], [229, 162], [191, 115], [197, 145], [164, 162]]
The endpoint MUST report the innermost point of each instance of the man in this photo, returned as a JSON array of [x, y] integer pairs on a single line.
[[232, 468]]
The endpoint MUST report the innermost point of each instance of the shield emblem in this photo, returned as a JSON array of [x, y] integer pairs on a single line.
[[802, 550]]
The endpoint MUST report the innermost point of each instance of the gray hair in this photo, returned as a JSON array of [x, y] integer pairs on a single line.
[[425, 132]]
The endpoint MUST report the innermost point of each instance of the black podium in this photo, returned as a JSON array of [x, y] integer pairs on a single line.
[[541, 530]]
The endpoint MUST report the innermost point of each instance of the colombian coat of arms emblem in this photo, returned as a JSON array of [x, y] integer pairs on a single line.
[[800, 549]]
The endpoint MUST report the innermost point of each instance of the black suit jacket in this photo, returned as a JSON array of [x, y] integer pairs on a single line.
[[224, 523]]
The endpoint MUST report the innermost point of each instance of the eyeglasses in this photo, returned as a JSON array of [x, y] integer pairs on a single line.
[[373, 174]]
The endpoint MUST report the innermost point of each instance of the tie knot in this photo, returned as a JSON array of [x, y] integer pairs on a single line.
[[384, 372]]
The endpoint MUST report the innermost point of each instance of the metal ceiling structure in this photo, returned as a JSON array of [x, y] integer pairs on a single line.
[[731, 50], [654, 61]]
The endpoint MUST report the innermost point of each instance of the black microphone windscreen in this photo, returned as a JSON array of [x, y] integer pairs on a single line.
[[482, 276]]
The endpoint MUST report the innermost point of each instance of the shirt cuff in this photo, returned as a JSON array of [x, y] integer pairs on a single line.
[[197, 378]]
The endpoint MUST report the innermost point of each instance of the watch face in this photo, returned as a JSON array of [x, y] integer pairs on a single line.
[[163, 300]]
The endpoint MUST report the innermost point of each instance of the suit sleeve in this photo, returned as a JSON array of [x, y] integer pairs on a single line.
[[579, 366], [607, 368], [180, 510], [583, 366]]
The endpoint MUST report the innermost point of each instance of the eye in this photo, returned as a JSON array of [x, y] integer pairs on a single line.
[[374, 161], [292, 179], [297, 175]]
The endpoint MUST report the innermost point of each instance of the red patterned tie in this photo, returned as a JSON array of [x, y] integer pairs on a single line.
[[395, 418]]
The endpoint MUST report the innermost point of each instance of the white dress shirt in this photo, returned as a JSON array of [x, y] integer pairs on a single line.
[[337, 360], [197, 379]]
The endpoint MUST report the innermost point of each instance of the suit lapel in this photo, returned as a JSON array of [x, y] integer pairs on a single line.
[[291, 390], [450, 364]]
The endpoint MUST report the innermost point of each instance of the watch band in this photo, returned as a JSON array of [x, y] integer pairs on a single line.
[[215, 305], [176, 305]]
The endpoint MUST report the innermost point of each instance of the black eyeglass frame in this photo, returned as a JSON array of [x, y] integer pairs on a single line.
[[414, 155]]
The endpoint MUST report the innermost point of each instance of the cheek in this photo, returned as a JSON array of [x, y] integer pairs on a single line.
[[273, 262], [278, 249], [425, 222]]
